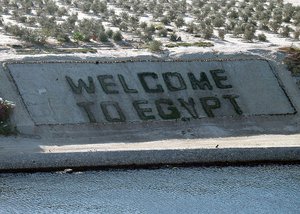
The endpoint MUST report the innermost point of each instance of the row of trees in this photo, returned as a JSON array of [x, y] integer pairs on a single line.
[[232, 16], [239, 18]]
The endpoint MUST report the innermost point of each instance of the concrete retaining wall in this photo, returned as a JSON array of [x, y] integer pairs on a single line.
[[98, 102]]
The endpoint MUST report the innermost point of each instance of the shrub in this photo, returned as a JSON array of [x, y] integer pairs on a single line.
[[86, 7], [191, 28], [102, 36], [249, 32], [124, 16], [288, 11], [62, 37], [117, 36], [175, 38], [95, 7], [297, 34], [179, 22], [116, 21], [296, 17], [163, 32], [207, 32], [51, 7], [262, 37], [277, 15], [185, 44], [150, 29], [221, 34], [77, 36], [147, 36], [143, 25], [133, 21], [274, 26], [62, 12], [165, 20], [123, 26], [109, 33], [22, 19], [292, 60], [218, 21], [72, 20], [155, 46], [5, 111], [286, 31]]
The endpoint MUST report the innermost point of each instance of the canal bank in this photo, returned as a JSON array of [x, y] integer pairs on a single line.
[[124, 112]]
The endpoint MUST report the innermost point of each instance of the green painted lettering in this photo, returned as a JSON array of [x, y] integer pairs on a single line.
[[106, 85], [201, 83], [232, 100], [174, 75], [141, 111], [107, 113], [142, 76], [87, 109], [125, 85], [189, 106], [218, 78], [210, 103], [173, 111], [81, 84]]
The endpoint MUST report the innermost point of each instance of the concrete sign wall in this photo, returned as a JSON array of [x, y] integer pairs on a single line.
[[81, 92]]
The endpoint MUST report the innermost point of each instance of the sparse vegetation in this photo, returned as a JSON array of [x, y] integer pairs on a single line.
[[292, 59], [103, 21], [6, 108], [155, 46], [262, 37], [186, 44]]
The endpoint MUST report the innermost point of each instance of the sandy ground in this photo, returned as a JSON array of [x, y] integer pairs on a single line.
[[259, 141], [294, 2], [229, 45]]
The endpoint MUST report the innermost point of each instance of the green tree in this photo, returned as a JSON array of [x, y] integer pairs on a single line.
[[249, 32], [165, 20], [207, 32], [218, 21], [221, 34], [155, 46], [143, 25], [102, 36], [262, 37], [51, 7], [77, 36], [123, 26], [274, 25], [173, 37], [179, 22], [297, 34], [286, 31], [117, 36], [109, 33], [163, 32]]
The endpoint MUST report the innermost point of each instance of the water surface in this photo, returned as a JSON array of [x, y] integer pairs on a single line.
[[264, 189]]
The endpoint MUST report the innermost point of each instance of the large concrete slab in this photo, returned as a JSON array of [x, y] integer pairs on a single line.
[[98, 113], [126, 92]]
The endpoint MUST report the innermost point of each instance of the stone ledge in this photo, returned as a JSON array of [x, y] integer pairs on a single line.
[[17, 155]]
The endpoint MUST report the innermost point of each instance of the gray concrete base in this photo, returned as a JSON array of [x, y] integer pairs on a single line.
[[18, 154], [55, 132]]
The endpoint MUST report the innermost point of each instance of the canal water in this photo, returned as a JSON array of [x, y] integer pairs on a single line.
[[260, 189]]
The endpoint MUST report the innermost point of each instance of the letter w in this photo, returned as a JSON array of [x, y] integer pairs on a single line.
[[81, 84]]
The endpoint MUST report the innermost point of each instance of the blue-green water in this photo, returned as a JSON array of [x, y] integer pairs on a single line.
[[265, 189]]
